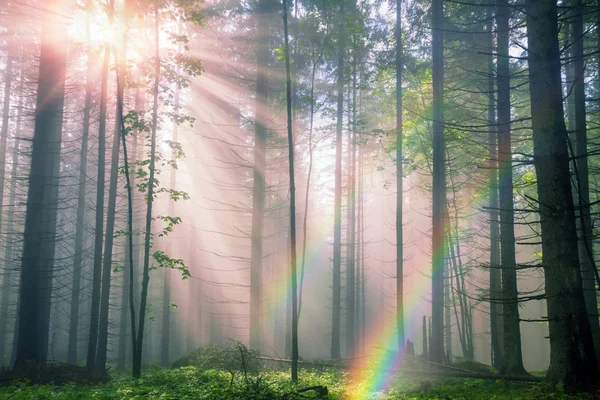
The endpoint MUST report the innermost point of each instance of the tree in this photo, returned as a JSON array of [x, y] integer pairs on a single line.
[[259, 168], [439, 185], [584, 221], [572, 356], [99, 227], [290, 132], [79, 227], [337, 224], [513, 360], [399, 176], [37, 262], [497, 336]]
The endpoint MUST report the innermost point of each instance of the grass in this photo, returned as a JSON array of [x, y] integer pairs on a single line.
[[197, 383], [233, 372]]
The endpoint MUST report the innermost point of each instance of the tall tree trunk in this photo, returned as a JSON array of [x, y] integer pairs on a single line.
[[513, 359], [37, 262], [572, 357], [258, 188], [497, 331], [439, 185], [337, 224], [9, 252], [166, 311], [99, 229], [586, 255], [351, 222], [79, 225], [294, 277], [308, 178], [137, 360], [399, 180], [191, 323], [109, 236], [8, 79], [122, 349], [448, 310]]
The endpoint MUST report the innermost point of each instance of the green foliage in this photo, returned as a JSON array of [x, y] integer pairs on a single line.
[[162, 260], [213, 372]]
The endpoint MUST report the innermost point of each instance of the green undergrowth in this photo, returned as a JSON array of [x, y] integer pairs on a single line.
[[196, 383], [233, 372]]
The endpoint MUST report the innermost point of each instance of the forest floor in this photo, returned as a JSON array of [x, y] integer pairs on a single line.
[[193, 382]]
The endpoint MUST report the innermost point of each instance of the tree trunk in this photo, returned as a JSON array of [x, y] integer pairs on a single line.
[[513, 359], [439, 185], [586, 256], [8, 78], [137, 360], [122, 349], [109, 240], [99, 229], [337, 225], [37, 262], [294, 279], [496, 323], [351, 222], [166, 311], [79, 225], [572, 357], [399, 180], [9, 251], [258, 189]]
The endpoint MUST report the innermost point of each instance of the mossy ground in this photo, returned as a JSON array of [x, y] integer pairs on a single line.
[[193, 382]]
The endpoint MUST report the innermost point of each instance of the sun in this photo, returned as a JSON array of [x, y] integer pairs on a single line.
[[93, 27]]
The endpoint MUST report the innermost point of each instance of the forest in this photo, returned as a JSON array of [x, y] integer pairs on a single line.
[[299, 199]]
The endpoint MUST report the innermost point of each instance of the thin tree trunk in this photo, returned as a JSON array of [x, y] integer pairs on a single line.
[[439, 185], [109, 238], [351, 222], [337, 225], [79, 227], [9, 251], [294, 278], [122, 349], [8, 78], [496, 323], [572, 357], [513, 359], [586, 256], [166, 311], [137, 361], [399, 180], [258, 189], [99, 229], [37, 262], [308, 178]]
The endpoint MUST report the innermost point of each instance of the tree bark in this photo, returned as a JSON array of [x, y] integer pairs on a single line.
[[572, 357], [37, 262], [294, 278], [99, 229], [137, 361], [496, 323], [9, 251], [585, 245], [79, 225], [513, 359], [258, 188], [337, 224], [439, 185], [109, 237], [399, 180]]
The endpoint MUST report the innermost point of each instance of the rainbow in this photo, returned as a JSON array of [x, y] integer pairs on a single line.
[[374, 372]]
